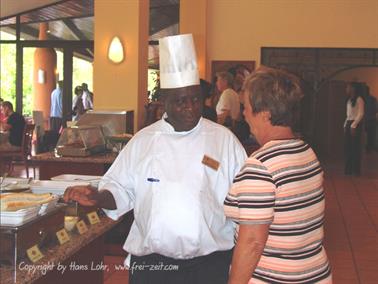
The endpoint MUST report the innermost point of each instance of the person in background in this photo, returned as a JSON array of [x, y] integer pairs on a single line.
[[228, 107], [77, 103], [175, 174], [370, 119], [208, 112], [277, 199], [3, 118], [14, 125], [87, 97], [353, 128], [56, 110]]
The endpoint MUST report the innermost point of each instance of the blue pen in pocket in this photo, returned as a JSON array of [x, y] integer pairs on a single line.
[[153, 180]]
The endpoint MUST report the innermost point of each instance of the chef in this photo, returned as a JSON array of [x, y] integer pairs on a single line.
[[175, 174]]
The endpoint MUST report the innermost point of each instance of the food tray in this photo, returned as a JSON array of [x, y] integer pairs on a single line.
[[92, 180], [72, 151], [18, 217], [53, 186]]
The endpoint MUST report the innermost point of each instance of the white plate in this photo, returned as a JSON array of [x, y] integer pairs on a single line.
[[14, 184], [14, 187], [53, 186], [93, 180], [69, 177]]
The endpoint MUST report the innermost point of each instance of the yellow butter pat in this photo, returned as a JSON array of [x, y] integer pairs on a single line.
[[34, 253], [93, 218], [81, 227], [62, 236]]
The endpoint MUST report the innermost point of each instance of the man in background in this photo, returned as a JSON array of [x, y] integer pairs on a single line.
[[56, 110], [228, 107], [13, 127], [87, 97]]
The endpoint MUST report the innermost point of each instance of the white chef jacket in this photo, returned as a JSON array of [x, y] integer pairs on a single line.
[[177, 200]]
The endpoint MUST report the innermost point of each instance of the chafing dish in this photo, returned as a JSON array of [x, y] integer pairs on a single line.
[[81, 141], [39, 230]]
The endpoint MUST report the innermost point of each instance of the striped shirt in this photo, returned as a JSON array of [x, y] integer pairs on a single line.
[[281, 184]]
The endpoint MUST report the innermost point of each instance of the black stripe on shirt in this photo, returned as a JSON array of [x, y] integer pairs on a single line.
[[297, 255], [277, 180], [296, 232], [289, 204], [284, 151], [300, 206], [322, 274], [304, 177], [253, 175]]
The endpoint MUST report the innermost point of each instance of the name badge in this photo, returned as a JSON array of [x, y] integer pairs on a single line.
[[210, 162], [34, 253], [93, 218], [81, 227], [62, 236]]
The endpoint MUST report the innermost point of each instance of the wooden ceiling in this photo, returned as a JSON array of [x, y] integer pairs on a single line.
[[73, 20]]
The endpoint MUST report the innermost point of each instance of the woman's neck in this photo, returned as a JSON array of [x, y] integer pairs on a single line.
[[278, 133]]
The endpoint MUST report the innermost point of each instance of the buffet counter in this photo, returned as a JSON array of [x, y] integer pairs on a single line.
[[50, 165], [79, 259]]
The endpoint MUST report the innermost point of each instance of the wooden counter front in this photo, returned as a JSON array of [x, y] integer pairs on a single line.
[[82, 259], [50, 165]]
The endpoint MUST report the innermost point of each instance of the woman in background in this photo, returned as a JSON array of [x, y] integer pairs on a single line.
[[353, 128], [77, 104], [277, 199]]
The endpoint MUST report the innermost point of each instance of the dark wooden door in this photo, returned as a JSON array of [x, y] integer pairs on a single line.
[[330, 117]]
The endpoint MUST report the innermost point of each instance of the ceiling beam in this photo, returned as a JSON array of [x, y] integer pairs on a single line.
[[73, 28], [77, 33]]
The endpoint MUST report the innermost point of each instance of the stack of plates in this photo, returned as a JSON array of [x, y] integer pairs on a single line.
[[53, 186], [92, 180]]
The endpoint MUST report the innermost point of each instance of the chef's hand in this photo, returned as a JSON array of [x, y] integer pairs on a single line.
[[84, 195], [90, 196]]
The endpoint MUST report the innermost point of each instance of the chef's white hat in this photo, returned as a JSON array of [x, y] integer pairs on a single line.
[[178, 62]]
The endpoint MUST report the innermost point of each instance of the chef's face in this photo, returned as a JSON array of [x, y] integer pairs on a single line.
[[183, 107]]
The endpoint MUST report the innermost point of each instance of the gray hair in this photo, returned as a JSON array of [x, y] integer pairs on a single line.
[[275, 91], [226, 76]]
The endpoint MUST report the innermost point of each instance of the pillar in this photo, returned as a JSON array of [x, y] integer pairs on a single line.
[[121, 86], [44, 75]]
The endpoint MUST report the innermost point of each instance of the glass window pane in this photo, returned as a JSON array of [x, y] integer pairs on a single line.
[[7, 33], [82, 73], [8, 71], [27, 88]]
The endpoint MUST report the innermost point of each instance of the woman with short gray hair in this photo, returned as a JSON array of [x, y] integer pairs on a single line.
[[277, 198]]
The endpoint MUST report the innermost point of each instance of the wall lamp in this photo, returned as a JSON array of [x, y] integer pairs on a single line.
[[41, 76], [115, 51]]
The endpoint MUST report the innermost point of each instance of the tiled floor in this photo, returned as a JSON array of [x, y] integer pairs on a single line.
[[351, 226]]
